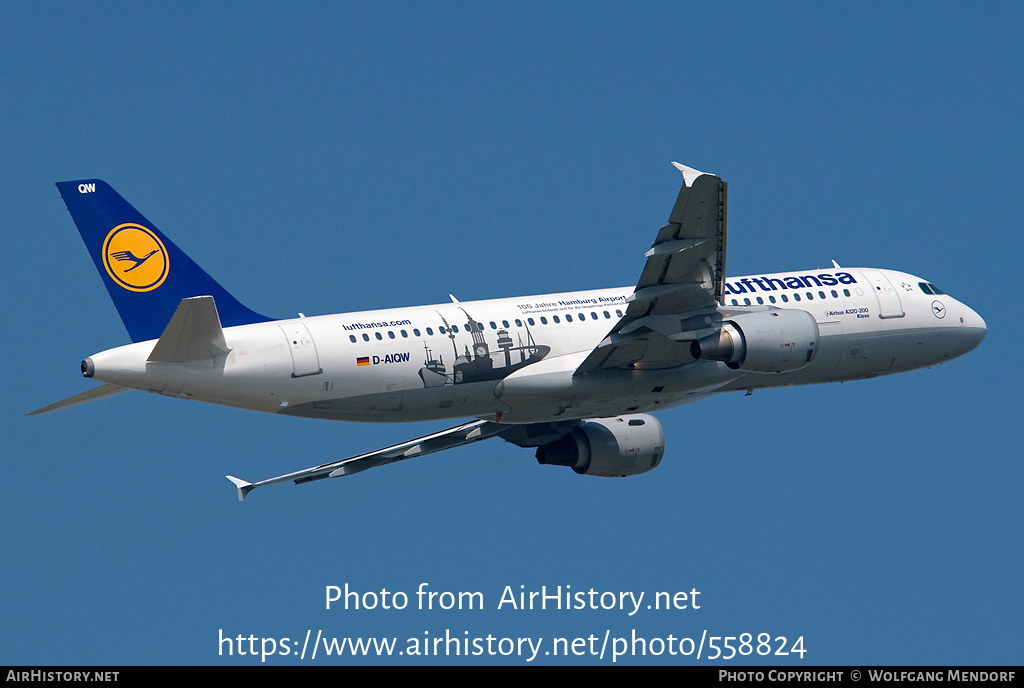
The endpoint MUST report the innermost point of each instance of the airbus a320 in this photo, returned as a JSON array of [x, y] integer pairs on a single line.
[[574, 376]]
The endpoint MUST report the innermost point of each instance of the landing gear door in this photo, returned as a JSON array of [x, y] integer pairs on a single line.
[[889, 304], [305, 360]]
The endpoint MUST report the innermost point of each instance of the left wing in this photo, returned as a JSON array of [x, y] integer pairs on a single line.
[[680, 287], [446, 439]]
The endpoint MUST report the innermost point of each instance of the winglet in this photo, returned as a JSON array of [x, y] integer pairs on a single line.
[[244, 487], [689, 174]]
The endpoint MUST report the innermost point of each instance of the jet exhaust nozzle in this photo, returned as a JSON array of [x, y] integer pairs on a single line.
[[724, 345]]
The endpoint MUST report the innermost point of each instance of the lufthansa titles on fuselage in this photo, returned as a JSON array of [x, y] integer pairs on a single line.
[[749, 285]]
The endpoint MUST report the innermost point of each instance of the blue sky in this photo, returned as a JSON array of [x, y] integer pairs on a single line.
[[340, 157]]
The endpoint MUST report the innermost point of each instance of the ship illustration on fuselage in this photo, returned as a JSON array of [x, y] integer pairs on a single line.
[[479, 365]]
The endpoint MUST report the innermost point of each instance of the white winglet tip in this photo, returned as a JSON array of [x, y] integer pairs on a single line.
[[689, 174], [244, 487]]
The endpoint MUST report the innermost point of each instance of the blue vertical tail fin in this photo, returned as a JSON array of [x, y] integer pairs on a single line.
[[146, 275]]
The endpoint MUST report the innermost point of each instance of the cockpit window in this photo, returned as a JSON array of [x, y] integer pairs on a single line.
[[925, 288], [935, 290]]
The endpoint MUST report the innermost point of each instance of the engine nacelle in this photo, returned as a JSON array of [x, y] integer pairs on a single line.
[[775, 341], [609, 447]]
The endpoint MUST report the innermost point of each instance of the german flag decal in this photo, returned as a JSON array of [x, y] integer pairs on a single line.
[[364, 360]]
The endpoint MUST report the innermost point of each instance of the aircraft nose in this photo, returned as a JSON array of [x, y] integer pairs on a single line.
[[972, 329], [975, 323]]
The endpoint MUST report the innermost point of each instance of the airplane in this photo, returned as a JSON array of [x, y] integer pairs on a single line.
[[574, 376]]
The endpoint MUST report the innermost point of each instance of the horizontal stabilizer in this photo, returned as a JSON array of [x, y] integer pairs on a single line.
[[194, 333], [92, 395]]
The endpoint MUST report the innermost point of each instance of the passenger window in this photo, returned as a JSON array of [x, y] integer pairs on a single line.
[[810, 296], [430, 331], [772, 299], [494, 325], [352, 338], [391, 334], [530, 320], [366, 337], [378, 335], [785, 299], [796, 297], [543, 320], [416, 332], [555, 318], [835, 294], [593, 315], [519, 323], [760, 300], [607, 314], [618, 312], [821, 294], [846, 292], [568, 317], [746, 302]]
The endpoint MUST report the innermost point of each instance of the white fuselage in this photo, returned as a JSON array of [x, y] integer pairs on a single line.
[[513, 359]]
